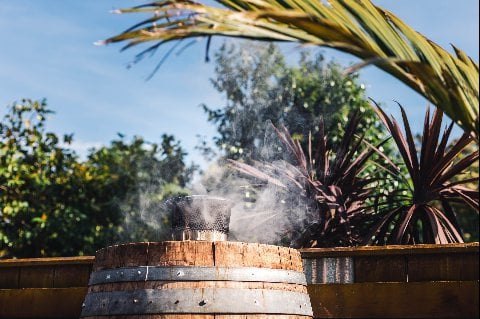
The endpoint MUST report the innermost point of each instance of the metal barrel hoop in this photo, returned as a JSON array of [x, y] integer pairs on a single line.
[[158, 273], [202, 301]]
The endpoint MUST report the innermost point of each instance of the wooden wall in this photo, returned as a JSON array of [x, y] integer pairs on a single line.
[[429, 281], [43, 287]]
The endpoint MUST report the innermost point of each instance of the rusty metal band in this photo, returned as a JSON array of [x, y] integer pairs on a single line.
[[196, 301], [156, 273]]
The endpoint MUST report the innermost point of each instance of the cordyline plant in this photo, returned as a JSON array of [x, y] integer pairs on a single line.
[[331, 179], [428, 216], [357, 27]]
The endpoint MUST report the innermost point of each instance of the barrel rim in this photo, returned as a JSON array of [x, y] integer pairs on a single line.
[[166, 242]]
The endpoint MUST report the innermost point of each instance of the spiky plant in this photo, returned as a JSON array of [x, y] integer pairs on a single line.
[[428, 216], [330, 178], [357, 27]]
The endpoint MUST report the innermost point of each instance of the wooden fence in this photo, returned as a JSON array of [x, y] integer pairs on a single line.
[[426, 281], [436, 281], [43, 287]]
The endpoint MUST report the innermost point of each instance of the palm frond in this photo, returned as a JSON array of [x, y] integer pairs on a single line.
[[357, 27]]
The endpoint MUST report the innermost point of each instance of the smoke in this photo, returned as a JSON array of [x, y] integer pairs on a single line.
[[272, 219], [262, 212], [144, 215]]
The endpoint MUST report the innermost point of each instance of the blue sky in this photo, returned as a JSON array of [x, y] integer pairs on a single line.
[[47, 51]]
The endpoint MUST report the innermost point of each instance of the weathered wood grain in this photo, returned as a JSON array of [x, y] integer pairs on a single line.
[[237, 254], [454, 265], [36, 277], [445, 267], [71, 276], [389, 250], [9, 277], [28, 262], [159, 285], [380, 268], [41, 302], [194, 316], [60, 272], [200, 254], [454, 299]]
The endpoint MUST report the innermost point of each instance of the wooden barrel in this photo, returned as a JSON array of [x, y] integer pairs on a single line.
[[197, 279]]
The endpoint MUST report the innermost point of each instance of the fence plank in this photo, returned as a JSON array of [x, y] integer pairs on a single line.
[[390, 250], [71, 276], [36, 277], [380, 269], [443, 267], [41, 302], [9, 277], [28, 262], [396, 300]]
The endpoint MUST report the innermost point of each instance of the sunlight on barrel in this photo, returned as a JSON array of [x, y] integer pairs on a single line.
[[198, 278]]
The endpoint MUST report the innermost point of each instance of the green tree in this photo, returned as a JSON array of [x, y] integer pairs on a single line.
[[260, 87], [53, 204], [44, 200], [137, 177]]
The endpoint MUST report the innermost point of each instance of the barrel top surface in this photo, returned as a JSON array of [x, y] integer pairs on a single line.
[[198, 253], [199, 242]]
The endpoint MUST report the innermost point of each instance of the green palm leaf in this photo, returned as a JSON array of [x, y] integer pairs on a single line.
[[354, 26]]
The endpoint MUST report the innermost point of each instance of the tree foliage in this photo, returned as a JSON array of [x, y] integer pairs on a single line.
[[137, 177], [44, 189], [54, 204], [260, 87]]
